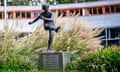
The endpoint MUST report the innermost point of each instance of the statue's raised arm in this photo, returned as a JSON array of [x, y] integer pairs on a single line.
[[31, 22]]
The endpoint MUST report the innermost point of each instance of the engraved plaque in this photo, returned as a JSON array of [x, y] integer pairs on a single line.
[[51, 61]]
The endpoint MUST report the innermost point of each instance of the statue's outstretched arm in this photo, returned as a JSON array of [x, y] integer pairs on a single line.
[[35, 20]]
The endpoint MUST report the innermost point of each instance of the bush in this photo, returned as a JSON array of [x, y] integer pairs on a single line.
[[19, 63], [107, 60]]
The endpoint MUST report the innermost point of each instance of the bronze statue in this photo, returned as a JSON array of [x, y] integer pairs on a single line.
[[48, 19]]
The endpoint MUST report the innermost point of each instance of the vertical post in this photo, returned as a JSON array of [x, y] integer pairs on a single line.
[[32, 14], [114, 9], [110, 9], [106, 34], [103, 10], [97, 11], [109, 34], [14, 15], [5, 10], [83, 12], [68, 12], [86, 12]]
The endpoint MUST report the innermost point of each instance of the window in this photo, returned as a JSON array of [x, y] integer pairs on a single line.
[[118, 8], [99, 10], [0, 15], [76, 11], [112, 8], [59, 13], [115, 32], [17, 14], [3, 15], [71, 12], [23, 14], [10, 15], [94, 10], [64, 13], [90, 11], [28, 15], [107, 9], [81, 12]]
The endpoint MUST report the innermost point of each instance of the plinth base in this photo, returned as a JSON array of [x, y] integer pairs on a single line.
[[57, 60]]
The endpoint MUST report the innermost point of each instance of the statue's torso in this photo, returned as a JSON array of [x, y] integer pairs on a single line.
[[47, 15], [46, 22]]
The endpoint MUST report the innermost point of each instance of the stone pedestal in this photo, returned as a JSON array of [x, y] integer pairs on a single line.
[[54, 61]]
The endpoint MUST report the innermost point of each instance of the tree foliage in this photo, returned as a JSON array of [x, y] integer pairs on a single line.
[[19, 2], [26, 2]]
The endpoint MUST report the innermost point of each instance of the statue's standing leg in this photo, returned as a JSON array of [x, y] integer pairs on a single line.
[[51, 36]]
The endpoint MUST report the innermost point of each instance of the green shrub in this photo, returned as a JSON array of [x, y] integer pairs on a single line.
[[17, 62], [107, 60]]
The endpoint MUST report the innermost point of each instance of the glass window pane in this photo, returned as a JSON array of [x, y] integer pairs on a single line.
[[118, 8], [59, 13], [64, 13], [107, 9], [99, 10], [112, 8], [94, 11], [17, 14], [23, 14], [0, 15], [71, 12], [28, 15], [81, 12], [76, 11], [10, 15], [90, 11]]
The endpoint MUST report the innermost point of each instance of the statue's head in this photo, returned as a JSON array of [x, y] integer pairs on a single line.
[[45, 7]]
